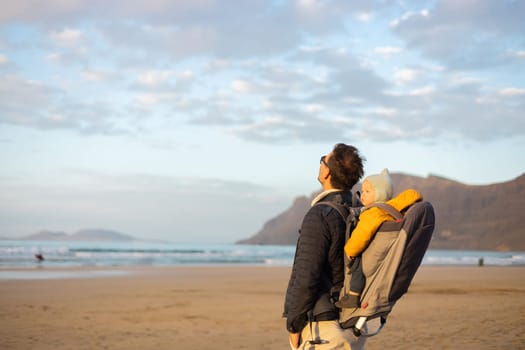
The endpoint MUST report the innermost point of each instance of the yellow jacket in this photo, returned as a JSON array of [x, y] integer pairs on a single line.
[[372, 218]]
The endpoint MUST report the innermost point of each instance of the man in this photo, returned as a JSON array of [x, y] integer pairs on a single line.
[[311, 318]]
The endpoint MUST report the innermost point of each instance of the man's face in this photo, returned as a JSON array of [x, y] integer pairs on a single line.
[[324, 171]]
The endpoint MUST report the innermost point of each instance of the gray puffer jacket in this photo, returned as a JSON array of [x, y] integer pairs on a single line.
[[318, 264]]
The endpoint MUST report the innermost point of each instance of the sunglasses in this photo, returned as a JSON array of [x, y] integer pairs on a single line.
[[323, 161]]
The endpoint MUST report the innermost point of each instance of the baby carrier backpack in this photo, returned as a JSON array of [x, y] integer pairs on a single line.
[[389, 262]]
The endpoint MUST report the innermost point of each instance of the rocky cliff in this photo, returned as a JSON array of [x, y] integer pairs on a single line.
[[487, 217]]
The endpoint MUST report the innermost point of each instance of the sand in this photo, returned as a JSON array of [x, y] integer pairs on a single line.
[[240, 308]]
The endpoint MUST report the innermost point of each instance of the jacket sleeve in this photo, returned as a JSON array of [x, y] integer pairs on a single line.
[[405, 199], [369, 222], [310, 257], [371, 219]]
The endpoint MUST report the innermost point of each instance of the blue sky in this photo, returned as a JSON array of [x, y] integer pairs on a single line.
[[199, 120]]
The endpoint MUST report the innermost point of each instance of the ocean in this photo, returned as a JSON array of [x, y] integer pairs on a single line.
[[20, 255]]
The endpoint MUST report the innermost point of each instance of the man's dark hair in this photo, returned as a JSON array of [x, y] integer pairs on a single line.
[[346, 166]]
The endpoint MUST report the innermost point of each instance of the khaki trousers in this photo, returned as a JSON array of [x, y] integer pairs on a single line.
[[330, 336]]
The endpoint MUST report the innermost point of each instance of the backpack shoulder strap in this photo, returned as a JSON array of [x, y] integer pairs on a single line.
[[350, 215], [388, 208], [340, 208], [356, 202]]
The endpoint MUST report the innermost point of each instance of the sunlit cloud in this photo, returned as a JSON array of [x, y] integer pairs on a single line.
[[147, 99], [424, 91], [3, 59], [387, 50], [242, 86], [154, 78], [406, 75], [67, 37], [364, 17], [512, 92], [409, 16]]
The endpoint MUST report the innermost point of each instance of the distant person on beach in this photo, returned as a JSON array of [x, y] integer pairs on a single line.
[[39, 257], [318, 268], [375, 189]]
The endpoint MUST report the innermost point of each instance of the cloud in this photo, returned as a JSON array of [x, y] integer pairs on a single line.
[[406, 75], [520, 54], [263, 71], [4, 60], [147, 99], [387, 50], [288, 131], [20, 99], [33, 104], [512, 92], [6, 64], [424, 91], [67, 37], [98, 76], [458, 33], [153, 79], [227, 29], [242, 86], [364, 16]]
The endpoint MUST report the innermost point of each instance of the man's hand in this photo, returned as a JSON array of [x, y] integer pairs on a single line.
[[295, 339]]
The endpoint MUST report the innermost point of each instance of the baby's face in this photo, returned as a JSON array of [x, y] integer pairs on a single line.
[[368, 193]]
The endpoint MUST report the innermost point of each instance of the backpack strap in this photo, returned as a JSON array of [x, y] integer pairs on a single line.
[[350, 215], [388, 208], [356, 199], [340, 208]]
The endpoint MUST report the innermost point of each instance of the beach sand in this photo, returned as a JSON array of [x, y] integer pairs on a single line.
[[240, 308]]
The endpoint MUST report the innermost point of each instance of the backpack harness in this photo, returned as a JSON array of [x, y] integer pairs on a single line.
[[389, 262]]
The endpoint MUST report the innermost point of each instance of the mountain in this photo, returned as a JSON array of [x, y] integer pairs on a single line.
[[81, 235], [481, 217]]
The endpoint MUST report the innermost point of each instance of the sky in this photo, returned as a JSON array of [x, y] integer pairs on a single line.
[[196, 121]]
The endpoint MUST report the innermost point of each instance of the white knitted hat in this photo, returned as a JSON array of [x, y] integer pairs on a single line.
[[382, 183]]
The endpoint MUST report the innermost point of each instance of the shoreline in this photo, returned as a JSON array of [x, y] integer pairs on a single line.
[[41, 272], [240, 307]]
